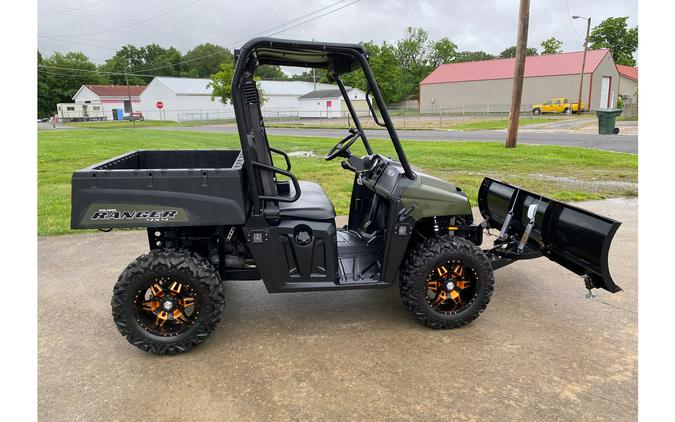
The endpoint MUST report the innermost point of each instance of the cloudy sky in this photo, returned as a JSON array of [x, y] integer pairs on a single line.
[[99, 27]]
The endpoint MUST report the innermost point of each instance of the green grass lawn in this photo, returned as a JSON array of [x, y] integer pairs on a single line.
[[125, 124], [560, 172], [500, 123], [424, 122]]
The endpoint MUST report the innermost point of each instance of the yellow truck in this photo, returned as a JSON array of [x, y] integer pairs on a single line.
[[556, 105]]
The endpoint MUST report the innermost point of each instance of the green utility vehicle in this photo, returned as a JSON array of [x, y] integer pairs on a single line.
[[220, 215]]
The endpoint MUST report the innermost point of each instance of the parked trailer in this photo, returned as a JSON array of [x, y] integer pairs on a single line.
[[79, 112]]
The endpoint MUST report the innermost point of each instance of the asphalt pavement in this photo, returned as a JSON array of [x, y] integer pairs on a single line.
[[618, 143], [540, 351]]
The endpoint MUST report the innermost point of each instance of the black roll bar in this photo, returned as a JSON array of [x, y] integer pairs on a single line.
[[352, 112], [385, 115]]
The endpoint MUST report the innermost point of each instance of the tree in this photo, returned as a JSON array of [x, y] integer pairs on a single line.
[[269, 72], [152, 59], [472, 56], [551, 46], [613, 33], [511, 52], [385, 66], [413, 53], [205, 59], [57, 83], [412, 50], [221, 82], [442, 51]]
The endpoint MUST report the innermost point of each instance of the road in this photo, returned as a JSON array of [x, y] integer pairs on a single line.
[[540, 351], [619, 143]]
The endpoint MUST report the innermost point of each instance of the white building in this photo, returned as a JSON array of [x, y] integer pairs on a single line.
[[109, 97], [183, 99], [328, 103], [281, 97], [186, 99]]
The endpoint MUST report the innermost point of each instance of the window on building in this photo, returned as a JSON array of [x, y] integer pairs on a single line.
[[70, 108], [97, 108], [127, 106]]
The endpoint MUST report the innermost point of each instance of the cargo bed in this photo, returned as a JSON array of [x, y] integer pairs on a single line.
[[161, 188]]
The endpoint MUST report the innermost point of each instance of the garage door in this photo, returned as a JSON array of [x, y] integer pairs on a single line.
[[604, 91]]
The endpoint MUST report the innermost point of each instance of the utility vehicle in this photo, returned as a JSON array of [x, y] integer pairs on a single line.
[[219, 215]]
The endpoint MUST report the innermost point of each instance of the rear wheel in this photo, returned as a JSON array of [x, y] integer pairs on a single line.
[[568, 111], [446, 282], [167, 301], [536, 111]]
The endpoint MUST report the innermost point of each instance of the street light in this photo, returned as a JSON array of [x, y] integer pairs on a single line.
[[583, 62]]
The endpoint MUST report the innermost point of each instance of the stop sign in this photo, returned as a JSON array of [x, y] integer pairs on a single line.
[[159, 105]]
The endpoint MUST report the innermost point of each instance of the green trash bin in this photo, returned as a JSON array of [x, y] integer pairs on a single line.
[[607, 121]]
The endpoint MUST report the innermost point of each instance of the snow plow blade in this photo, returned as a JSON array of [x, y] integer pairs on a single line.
[[576, 239]]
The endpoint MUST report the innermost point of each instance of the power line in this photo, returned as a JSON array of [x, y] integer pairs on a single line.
[[125, 19], [73, 9], [304, 16], [260, 33], [77, 42], [569, 15], [317, 17], [98, 72], [138, 22], [212, 54]]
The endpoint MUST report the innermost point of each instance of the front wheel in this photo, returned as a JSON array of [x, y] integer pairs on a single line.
[[446, 282], [568, 111], [167, 301]]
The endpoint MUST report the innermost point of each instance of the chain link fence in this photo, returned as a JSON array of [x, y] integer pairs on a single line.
[[404, 116]]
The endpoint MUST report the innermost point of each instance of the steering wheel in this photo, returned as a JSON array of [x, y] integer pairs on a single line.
[[341, 149]]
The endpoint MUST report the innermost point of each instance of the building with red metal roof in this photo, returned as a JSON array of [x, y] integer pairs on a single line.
[[109, 97], [628, 83], [485, 86]]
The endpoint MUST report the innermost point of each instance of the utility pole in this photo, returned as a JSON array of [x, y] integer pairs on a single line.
[[131, 107], [521, 52], [583, 61], [314, 74]]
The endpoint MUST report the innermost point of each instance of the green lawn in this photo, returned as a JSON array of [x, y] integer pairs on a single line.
[[125, 124], [500, 123], [424, 122], [560, 172]]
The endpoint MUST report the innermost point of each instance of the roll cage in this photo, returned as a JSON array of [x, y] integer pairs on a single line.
[[337, 59]]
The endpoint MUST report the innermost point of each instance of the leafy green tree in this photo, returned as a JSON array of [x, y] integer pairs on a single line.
[[204, 60], [613, 33], [442, 51], [385, 66], [551, 46], [511, 52], [221, 82], [472, 56], [58, 84], [269, 72], [413, 53], [151, 59]]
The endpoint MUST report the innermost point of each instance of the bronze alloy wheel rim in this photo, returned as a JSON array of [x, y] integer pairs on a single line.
[[166, 306], [451, 287]]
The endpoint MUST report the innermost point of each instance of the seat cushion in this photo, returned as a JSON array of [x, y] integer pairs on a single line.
[[313, 204]]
